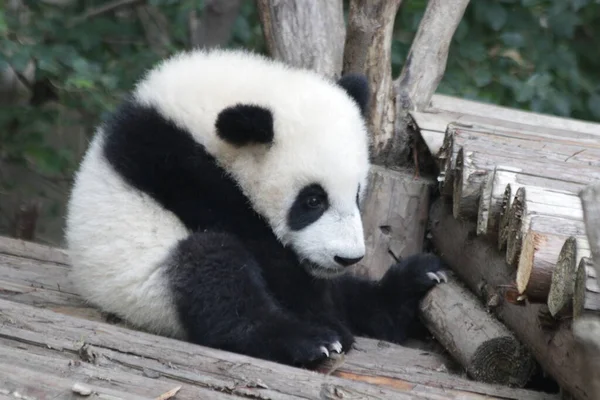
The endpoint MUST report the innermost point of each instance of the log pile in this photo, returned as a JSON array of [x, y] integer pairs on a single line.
[[512, 190]]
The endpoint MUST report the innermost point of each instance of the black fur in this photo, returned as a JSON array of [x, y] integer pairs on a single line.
[[243, 124], [308, 207], [236, 287], [357, 87]]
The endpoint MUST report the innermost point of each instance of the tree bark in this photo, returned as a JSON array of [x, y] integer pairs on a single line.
[[368, 50], [482, 345], [395, 212], [306, 34]]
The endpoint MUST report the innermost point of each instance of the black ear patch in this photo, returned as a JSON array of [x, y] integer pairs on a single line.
[[357, 87], [245, 124]]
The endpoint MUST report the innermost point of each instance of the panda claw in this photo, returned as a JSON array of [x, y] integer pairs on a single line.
[[433, 276], [337, 347], [443, 275], [325, 351]]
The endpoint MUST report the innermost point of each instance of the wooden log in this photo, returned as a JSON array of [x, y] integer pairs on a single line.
[[562, 287], [496, 196], [586, 296], [368, 50], [396, 370], [530, 201], [473, 166], [587, 329], [305, 34], [393, 229], [506, 146], [540, 252], [478, 265], [536, 263], [483, 346]]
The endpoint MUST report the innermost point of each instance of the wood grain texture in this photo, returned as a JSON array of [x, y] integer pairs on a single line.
[[46, 285], [479, 265], [112, 358], [562, 286], [394, 213], [306, 34], [531, 201], [487, 350]]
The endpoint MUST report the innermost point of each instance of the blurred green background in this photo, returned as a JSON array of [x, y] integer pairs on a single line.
[[64, 63]]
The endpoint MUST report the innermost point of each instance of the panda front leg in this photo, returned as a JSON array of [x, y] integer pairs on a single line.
[[387, 309], [223, 302]]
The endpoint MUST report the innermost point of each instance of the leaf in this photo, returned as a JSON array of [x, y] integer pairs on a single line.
[[564, 24], [513, 39], [593, 104], [482, 76]]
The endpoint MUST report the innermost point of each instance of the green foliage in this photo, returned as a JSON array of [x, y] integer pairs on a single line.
[[538, 55]]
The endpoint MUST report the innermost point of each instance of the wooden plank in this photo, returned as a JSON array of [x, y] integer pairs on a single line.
[[193, 366], [370, 361], [440, 102], [485, 272]]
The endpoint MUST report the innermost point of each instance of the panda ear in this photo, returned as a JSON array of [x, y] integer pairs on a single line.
[[357, 87], [245, 124]]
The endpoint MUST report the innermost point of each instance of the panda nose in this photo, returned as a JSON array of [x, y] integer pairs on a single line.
[[346, 262]]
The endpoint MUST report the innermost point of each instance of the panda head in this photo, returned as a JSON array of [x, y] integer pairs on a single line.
[[294, 142]]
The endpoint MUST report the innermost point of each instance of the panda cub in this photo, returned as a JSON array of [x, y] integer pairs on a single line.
[[219, 204]]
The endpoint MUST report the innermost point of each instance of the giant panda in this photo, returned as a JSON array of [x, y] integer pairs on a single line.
[[219, 204]]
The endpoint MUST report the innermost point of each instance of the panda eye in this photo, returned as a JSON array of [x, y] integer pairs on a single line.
[[314, 202]]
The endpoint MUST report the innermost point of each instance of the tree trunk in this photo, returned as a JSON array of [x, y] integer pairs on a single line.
[[368, 50], [307, 34]]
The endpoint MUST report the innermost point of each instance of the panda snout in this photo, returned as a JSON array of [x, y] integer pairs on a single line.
[[346, 262]]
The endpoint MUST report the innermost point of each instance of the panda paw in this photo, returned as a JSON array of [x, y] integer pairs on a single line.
[[307, 346], [419, 273]]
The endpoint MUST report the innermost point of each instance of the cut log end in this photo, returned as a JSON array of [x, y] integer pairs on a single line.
[[502, 360], [484, 347], [563, 280], [515, 225], [531, 243], [504, 211], [536, 265]]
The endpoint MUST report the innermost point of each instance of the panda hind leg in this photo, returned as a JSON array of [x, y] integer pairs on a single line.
[[223, 302]]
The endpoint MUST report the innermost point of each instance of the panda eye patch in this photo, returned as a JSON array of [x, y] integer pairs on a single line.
[[310, 204]]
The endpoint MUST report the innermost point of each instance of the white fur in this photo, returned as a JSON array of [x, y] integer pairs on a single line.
[[319, 137], [120, 238]]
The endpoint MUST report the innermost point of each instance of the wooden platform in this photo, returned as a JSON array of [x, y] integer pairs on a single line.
[[52, 346]]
